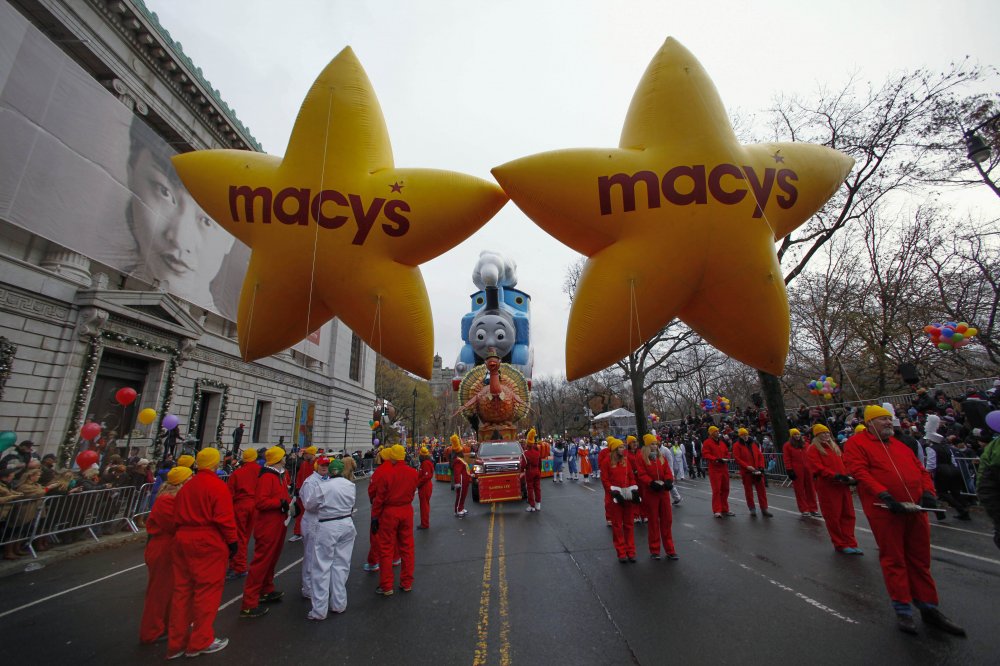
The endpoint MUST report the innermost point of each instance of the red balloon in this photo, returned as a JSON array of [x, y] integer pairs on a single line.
[[90, 430], [125, 396], [86, 459]]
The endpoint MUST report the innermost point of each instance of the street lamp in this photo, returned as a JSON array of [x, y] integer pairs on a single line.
[[978, 150], [413, 434], [347, 413]]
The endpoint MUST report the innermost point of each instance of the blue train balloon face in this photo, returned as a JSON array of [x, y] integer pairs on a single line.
[[492, 329]]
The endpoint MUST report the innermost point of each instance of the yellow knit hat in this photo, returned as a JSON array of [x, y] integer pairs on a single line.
[[208, 458], [795, 431], [712, 430], [179, 475], [649, 439], [311, 450], [630, 439], [249, 455], [818, 428], [396, 453], [875, 411], [614, 443], [424, 451], [530, 437], [742, 432], [274, 455], [185, 461], [859, 428], [456, 442]]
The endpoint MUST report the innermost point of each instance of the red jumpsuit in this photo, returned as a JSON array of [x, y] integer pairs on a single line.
[[462, 479], [657, 504], [904, 540], [747, 455], [533, 474], [425, 486], [243, 486], [160, 528], [622, 529], [603, 460], [795, 459], [393, 508], [268, 535], [718, 473], [639, 511], [304, 471], [834, 496], [203, 514], [374, 544]]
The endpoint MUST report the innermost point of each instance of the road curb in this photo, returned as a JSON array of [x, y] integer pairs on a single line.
[[68, 551]]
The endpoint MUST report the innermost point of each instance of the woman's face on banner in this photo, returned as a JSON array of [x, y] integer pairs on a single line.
[[181, 245]]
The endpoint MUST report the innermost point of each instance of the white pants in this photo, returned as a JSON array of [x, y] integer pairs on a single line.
[[308, 531], [332, 545], [675, 494]]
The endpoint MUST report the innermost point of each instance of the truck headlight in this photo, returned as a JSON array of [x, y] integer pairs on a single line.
[[477, 469]]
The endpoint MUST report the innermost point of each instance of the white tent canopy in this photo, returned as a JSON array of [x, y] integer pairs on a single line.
[[618, 422]]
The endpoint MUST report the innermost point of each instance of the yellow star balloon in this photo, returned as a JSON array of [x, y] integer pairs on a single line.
[[334, 228], [679, 221]]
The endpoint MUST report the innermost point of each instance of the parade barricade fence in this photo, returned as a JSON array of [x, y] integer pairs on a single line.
[[53, 515], [774, 468], [969, 467]]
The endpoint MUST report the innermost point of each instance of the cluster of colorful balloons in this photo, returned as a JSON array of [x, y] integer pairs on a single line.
[[950, 335], [654, 417], [824, 386], [707, 405], [374, 424]]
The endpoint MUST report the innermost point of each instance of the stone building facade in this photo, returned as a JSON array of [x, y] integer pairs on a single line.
[[75, 329]]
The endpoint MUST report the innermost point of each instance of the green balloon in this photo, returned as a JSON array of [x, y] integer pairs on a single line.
[[957, 337], [7, 439]]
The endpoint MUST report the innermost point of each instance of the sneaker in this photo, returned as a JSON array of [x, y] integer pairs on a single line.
[[529, 509], [716, 514], [396, 563], [232, 575], [370, 567], [766, 513], [214, 646], [631, 558], [623, 560], [538, 506], [176, 655], [384, 593], [673, 556], [676, 502], [806, 514], [906, 624], [295, 537], [655, 556], [421, 527], [258, 611], [272, 597], [728, 513], [936, 618], [463, 513], [609, 524], [406, 589], [815, 514], [753, 513]]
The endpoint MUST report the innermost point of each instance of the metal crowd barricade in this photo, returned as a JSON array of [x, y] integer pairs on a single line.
[[969, 467], [57, 514], [143, 501]]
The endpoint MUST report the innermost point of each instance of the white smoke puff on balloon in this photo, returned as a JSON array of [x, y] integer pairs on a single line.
[[494, 270]]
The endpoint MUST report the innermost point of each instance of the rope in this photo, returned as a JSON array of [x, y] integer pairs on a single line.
[[633, 313], [322, 177]]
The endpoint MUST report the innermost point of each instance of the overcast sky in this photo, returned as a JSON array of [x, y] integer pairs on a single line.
[[467, 85]]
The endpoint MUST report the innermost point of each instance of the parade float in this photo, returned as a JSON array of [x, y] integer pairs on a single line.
[[493, 377]]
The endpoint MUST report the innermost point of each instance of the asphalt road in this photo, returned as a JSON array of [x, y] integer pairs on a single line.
[[503, 586]]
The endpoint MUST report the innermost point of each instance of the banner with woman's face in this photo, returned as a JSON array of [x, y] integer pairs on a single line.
[[80, 168]]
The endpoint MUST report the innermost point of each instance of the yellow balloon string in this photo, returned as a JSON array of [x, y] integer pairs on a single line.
[[253, 302], [633, 307], [322, 178]]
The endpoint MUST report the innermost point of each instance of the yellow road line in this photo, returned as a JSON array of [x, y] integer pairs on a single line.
[[483, 628], [504, 607]]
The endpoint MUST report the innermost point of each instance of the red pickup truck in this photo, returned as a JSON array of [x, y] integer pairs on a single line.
[[498, 472]]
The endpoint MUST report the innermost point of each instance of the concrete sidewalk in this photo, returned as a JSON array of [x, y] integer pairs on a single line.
[[65, 551]]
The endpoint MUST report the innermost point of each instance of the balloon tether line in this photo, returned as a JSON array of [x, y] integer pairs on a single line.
[[253, 302], [633, 313], [322, 177]]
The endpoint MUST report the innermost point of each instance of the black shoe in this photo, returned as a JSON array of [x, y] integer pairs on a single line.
[[631, 559], [623, 560], [258, 611], [272, 597], [766, 514], [964, 516], [673, 556], [728, 513], [906, 624], [655, 556], [936, 618]]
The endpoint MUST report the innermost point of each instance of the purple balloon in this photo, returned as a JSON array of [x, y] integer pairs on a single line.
[[993, 420], [170, 421], [375, 441]]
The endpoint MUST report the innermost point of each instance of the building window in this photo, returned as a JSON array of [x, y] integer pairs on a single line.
[[355, 372], [261, 422]]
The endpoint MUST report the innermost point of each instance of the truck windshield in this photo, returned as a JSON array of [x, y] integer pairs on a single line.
[[488, 449]]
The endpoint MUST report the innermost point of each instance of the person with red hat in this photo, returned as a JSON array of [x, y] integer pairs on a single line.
[[654, 472], [425, 486], [793, 454], [751, 462], [273, 504], [160, 528], [204, 541], [716, 454], [243, 487], [895, 490], [392, 519], [826, 461]]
